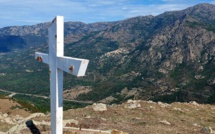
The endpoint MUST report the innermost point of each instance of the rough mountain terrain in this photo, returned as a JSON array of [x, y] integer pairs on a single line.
[[169, 57], [133, 117]]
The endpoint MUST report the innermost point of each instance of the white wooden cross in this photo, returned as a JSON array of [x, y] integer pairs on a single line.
[[57, 64]]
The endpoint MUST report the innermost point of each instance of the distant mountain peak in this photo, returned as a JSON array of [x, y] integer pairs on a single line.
[[168, 57]]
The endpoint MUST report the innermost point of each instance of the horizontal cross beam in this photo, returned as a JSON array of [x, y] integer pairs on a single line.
[[75, 66]]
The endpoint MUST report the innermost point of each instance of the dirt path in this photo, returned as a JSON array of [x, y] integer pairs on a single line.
[[41, 96]]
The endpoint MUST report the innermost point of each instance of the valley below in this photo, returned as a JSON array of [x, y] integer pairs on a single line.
[[169, 57], [146, 75]]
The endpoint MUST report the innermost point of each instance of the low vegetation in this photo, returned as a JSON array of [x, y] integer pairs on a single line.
[[38, 104]]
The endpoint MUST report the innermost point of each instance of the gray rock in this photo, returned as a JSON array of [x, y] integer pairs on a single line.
[[207, 130], [99, 107], [132, 104], [5, 115], [165, 122]]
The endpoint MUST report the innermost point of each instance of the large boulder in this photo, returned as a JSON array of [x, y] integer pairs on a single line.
[[132, 104], [99, 107]]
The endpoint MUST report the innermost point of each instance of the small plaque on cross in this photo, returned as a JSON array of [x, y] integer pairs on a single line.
[[57, 64]]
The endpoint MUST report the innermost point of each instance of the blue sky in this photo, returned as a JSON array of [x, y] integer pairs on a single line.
[[30, 12]]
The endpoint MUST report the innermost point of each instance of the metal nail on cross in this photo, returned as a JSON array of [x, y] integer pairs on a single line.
[[57, 64]]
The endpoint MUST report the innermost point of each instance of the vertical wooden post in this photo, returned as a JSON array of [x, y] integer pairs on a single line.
[[57, 64], [56, 48]]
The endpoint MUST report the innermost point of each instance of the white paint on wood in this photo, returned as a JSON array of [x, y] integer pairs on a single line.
[[67, 63], [57, 64]]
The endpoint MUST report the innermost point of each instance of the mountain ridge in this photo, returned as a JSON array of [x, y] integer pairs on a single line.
[[169, 57]]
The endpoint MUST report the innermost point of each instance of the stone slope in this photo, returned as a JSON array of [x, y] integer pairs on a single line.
[[133, 117]]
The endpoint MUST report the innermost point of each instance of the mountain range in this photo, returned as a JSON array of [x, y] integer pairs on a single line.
[[169, 57]]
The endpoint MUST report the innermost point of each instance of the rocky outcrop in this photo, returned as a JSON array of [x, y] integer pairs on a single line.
[[129, 117], [132, 104], [99, 107]]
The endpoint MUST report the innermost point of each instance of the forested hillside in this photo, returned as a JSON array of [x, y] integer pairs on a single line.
[[169, 57]]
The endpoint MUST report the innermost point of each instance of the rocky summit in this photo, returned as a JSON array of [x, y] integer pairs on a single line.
[[169, 57], [131, 117]]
